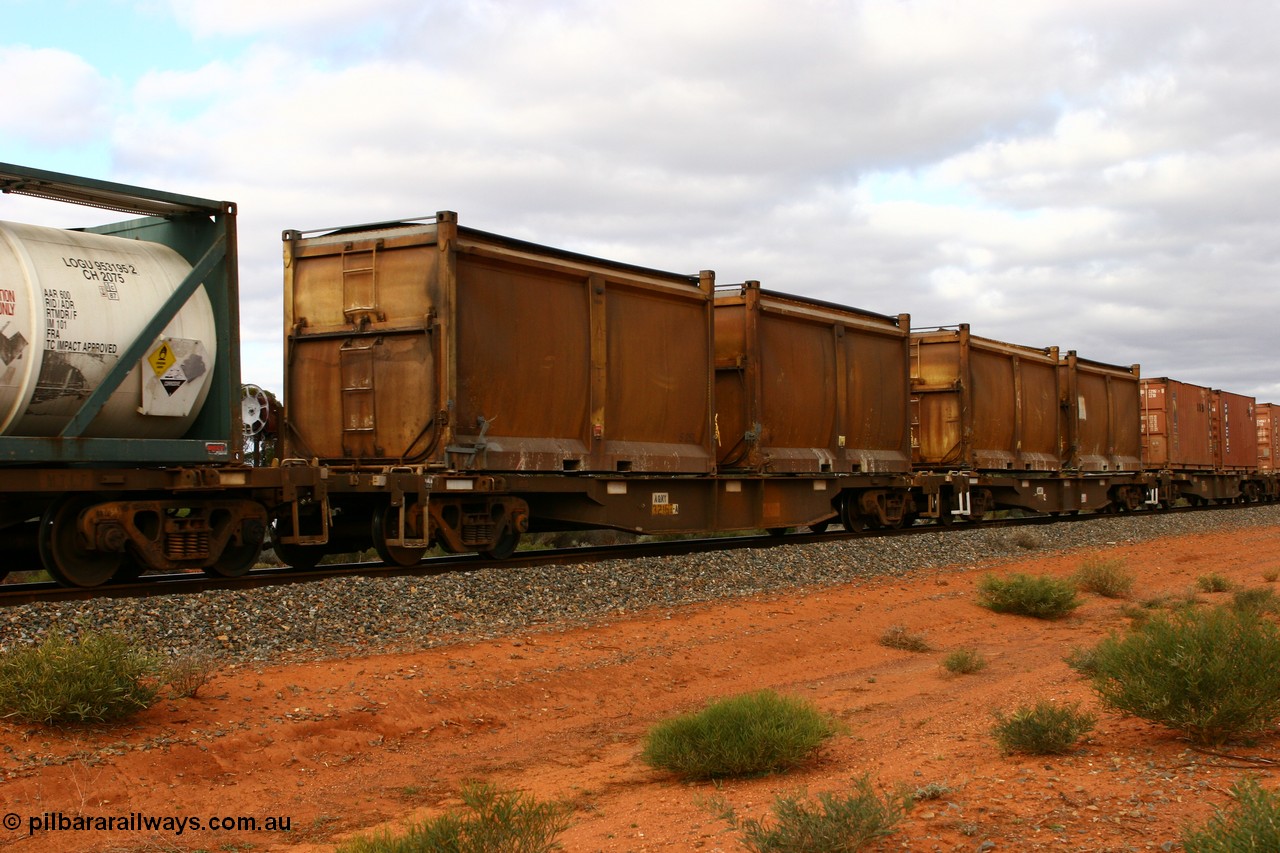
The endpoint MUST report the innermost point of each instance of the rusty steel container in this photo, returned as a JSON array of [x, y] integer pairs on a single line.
[[1177, 426], [427, 343], [982, 404], [1101, 410], [1235, 432], [809, 387], [1267, 418]]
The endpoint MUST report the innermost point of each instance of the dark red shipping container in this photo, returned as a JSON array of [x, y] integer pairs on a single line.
[[1176, 425], [1267, 417], [1192, 428], [1235, 432]]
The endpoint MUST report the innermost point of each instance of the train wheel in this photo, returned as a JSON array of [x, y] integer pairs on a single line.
[[504, 547], [64, 556], [849, 516], [235, 561], [385, 524], [304, 558]]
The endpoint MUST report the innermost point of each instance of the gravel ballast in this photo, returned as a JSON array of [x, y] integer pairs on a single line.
[[354, 615]]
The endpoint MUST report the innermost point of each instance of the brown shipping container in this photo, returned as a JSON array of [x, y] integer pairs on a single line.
[[427, 343], [1101, 408], [1235, 432], [982, 404], [804, 386], [1267, 417], [1177, 426]]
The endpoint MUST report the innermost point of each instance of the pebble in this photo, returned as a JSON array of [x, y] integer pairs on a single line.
[[353, 615]]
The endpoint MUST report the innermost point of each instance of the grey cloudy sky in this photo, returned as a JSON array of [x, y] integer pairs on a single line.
[[1097, 176]]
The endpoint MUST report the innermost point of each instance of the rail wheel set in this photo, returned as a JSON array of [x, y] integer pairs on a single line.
[[448, 387]]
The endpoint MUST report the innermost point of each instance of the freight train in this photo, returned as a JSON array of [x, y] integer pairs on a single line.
[[449, 387]]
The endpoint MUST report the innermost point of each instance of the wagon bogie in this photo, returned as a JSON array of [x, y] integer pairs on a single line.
[[85, 539]]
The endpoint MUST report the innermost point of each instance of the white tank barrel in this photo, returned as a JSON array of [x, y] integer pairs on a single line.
[[70, 303]]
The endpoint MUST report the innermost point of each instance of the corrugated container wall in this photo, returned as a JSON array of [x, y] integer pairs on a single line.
[[1177, 426], [1235, 432], [1101, 408], [432, 344], [809, 387], [983, 404], [1267, 417]]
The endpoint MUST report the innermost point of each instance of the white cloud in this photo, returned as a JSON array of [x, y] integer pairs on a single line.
[[282, 17], [53, 98]]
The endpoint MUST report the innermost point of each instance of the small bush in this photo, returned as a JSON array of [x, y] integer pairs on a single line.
[[964, 662], [833, 823], [740, 736], [1107, 578], [1027, 539], [1045, 729], [1143, 611], [189, 672], [931, 791], [1271, 575], [1258, 600], [1209, 674], [493, 822], [1082, 660], [98, 679], [1253, 823], [1041, 596], [1213, 583], [898, 637]]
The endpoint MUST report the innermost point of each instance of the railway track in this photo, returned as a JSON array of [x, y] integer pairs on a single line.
[[12, 594]]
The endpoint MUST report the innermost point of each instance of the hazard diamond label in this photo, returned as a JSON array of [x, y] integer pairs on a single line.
[[173, 379], [162, 359]]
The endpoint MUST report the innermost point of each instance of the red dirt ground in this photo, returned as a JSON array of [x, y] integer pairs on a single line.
[[343, 747]]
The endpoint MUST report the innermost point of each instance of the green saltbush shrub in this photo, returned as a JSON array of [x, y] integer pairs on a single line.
[[834, 823], [1040, 596], [1107, 578], [1213, 582], [1251, 824], [1042, 729], [964, 662], [740, 736], [1258, 600], [1211, 674], [492, 821], [97, 679]]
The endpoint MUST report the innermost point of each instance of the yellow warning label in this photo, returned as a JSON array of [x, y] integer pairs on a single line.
[[162, 359]]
